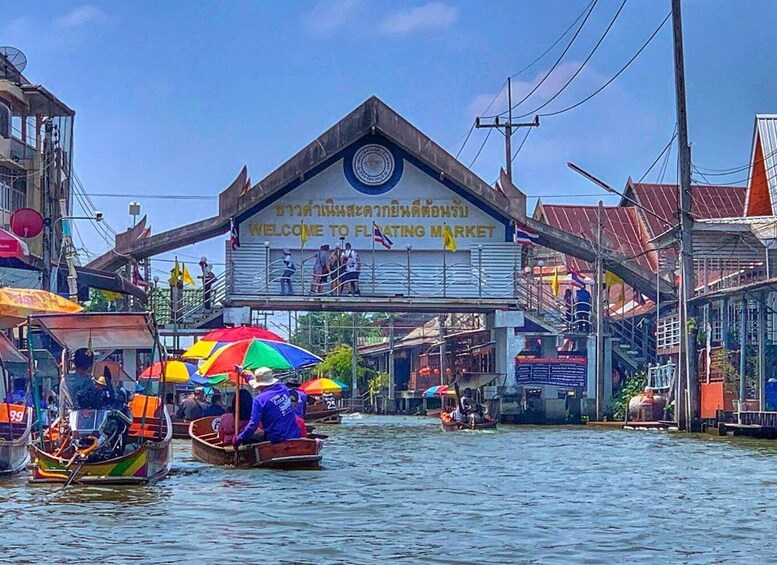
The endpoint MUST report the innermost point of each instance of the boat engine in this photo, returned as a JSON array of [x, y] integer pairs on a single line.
[[99, 434]]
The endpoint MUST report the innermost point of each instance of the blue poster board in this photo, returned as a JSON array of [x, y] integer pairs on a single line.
[[556, 372]]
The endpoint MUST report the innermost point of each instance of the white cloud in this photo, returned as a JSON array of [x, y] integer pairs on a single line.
[[584, 83], [434, 15], [81, 16], [330, 15]]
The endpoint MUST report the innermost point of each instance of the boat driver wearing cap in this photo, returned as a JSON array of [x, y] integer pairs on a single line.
[[271, 409]]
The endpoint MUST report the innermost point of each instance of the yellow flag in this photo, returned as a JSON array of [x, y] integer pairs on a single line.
[[186, 277], [554, 282], [611, 279], [175, 274], [447, 239], [303, 234]]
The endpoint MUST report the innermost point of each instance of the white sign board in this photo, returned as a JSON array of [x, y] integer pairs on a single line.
[[413, 210]]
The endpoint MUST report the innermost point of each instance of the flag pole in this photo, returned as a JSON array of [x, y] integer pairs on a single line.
[[302, 258], [373, 257], [444, 261]]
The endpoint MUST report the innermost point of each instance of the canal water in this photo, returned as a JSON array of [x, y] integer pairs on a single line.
[[398, 489]]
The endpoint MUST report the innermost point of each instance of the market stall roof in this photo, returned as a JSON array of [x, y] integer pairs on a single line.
[[8, 351], [100, 331], [16, 304]]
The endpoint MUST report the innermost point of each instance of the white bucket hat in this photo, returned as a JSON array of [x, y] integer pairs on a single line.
[[262, 377]]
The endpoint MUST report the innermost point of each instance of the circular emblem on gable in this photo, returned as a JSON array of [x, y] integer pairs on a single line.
[[373, 164]]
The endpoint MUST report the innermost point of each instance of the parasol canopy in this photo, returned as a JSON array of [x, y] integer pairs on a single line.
[[439, 390], [241, 333], [216, 339], [176, 372], [248, 353], [317, 387], [18, 303], [11, 246]]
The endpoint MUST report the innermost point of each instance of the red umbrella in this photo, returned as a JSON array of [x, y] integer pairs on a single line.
[[241, 333], [12, 246]]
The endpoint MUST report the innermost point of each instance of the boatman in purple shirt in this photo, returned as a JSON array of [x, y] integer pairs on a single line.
[[272, 409]]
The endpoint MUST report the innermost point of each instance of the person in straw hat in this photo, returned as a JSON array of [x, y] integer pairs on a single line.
[[271, 410]]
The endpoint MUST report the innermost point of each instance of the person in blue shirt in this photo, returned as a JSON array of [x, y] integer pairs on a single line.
[[216, 407], [271, 409], [299, 400]]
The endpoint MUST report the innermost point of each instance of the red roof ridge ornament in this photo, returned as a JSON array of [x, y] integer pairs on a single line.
[[26, 223]]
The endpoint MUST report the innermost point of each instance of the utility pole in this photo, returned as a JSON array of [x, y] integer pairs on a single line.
[[508, 127], [686, 401], [354, 364], [48, 219], [599, 300], [392, 382]]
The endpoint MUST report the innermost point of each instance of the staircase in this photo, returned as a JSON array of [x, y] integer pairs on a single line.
[[185, 308], [634, 343]]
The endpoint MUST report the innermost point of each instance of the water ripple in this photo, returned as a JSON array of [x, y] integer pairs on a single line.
[[399, 489]]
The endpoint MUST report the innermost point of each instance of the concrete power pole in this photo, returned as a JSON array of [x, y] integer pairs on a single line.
[[508, 127], [46, 207], [686, 403], [599, 302]]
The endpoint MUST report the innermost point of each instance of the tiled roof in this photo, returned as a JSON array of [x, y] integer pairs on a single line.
[[708, 202], [622, 231]]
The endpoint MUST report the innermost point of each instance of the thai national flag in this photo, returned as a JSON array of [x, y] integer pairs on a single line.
[[380, 237], [577, 280], [523, 236], [234, 236]]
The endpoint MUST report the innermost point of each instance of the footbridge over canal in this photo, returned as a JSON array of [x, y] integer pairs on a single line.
[[443, 241]]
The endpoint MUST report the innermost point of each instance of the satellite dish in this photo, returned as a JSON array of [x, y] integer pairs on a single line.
[[17, 60], [26, 223]]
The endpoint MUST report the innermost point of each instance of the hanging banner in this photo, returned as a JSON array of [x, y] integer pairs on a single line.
[[555, 372]]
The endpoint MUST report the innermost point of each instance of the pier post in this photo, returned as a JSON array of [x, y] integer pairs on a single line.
[[762, 351], [742, 355]]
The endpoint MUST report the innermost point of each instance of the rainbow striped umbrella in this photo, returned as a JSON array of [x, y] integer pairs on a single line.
[[317, 387], [213, 341]]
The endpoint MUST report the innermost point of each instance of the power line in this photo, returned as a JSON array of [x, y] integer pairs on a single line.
[[556, 64], [663, 151], [481, 148], [619, 73], [582, 65], [525, 137], [548, 50], [156, 196]]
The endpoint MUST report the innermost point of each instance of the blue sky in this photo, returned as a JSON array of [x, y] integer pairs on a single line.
[[174, 97]]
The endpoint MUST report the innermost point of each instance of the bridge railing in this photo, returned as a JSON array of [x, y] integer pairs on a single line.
[[187, 305]]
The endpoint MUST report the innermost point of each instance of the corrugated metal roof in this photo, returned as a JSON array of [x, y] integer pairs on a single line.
[[708, 201], [622, 231], [766, 131]]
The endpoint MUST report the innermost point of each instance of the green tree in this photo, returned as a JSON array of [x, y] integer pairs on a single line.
[[338, 365], [320, 332]]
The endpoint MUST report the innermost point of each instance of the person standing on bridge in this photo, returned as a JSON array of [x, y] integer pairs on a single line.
[[288, 270], [353, 266]]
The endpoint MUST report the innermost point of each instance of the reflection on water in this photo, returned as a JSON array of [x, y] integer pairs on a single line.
[[400, 489]]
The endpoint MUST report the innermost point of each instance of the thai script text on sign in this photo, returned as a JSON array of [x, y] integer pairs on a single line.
[[555, 372]]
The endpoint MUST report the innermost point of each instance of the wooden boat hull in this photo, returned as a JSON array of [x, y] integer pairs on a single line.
[[149, 463], [180, 430], [458, 426], [13, 447], [304, 453], [325, 416]]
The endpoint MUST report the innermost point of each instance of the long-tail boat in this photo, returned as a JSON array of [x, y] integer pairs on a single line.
[[15, 430], [320, 414], [303, 453], [118, 445]]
